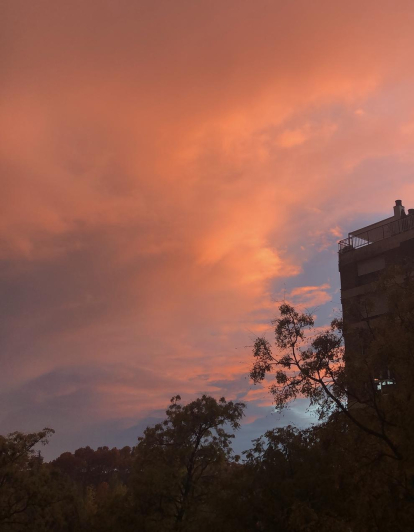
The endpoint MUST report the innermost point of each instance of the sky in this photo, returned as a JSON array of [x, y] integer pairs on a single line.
[[170, 172]]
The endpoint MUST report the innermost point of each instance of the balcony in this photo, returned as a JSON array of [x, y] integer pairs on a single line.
[[357, 239]]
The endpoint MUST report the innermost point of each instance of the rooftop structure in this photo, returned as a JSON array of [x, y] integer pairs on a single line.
[[381, 230], [369, 250]]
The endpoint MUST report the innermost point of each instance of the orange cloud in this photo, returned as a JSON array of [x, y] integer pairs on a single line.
[[167, 167], [310, 296]]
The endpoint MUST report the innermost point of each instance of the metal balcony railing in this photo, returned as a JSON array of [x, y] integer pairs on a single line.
[[377, 233]]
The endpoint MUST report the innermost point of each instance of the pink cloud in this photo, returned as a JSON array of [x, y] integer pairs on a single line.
[[167, 167], [310, 296]]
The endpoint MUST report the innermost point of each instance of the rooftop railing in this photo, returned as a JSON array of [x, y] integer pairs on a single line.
[[377, 233]]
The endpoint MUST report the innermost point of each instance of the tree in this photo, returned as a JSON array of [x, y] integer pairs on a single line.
[[33, 496], [88, 467], [368, 434], [315, 366], [298, 485], [179, 460]]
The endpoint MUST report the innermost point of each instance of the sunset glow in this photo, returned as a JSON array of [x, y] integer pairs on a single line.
[[172, 170]]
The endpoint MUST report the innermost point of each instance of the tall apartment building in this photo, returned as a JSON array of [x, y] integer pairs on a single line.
[[363, 255]]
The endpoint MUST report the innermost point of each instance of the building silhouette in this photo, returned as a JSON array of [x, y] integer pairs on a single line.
[[363, 256]]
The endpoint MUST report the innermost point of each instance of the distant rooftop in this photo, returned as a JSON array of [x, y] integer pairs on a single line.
[[389, 227]]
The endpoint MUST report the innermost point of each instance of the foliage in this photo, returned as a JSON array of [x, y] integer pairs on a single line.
[[364, 394], [315, 366], [32, 496], [178, 461], [310, 368], [182, 476], [87, 467]]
